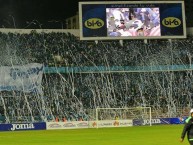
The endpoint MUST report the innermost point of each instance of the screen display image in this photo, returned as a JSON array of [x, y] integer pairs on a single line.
[[132, 20]]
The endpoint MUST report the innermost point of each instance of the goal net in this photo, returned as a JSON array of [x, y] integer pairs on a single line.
[[120, 117]]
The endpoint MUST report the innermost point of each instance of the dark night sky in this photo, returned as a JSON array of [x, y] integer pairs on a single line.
[[36, 13]]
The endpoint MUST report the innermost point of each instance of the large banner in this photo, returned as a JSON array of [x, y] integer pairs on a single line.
[[26, 78]]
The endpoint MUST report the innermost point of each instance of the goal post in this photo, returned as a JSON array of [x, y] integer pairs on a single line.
[[121, 116]]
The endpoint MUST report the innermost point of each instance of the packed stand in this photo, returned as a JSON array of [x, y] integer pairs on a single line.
[[71, 95]]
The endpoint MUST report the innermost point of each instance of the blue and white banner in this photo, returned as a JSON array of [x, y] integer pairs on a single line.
[[26, 78], [157, 121], [23, 126]]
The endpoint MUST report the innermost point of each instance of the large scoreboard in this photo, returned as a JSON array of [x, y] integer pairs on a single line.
[[120, 20]]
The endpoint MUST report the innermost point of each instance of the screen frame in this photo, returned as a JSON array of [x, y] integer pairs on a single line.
[[130, 37]]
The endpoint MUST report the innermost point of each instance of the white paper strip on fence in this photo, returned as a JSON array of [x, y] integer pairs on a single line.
[[26, 78], [67, 125]]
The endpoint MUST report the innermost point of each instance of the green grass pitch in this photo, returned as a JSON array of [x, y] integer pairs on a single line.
[[138, 135]]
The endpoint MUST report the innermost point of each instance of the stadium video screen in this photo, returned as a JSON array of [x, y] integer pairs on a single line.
[[132, 20]]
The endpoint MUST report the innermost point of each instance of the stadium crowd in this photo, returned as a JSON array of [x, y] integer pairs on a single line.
[[73, 95]]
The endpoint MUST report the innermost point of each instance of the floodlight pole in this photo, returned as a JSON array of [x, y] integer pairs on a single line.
[[96, 41], [13, 20], [145, 41], [170, 40], [121, 42]]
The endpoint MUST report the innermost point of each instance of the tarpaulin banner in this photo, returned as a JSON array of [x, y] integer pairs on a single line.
[[26, 78]]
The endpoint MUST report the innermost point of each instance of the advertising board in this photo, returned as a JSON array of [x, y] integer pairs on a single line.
[[132, 20], [23, 126]]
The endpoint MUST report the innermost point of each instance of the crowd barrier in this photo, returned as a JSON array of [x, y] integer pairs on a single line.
[[89, 124]]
